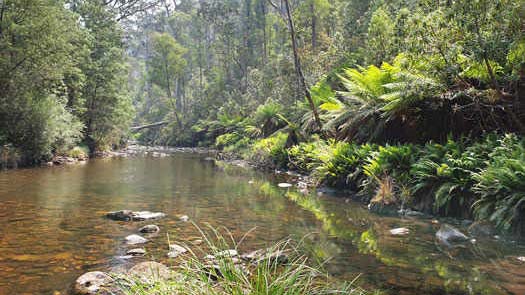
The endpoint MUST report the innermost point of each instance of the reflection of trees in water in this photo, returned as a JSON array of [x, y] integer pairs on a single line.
[[414, 262]]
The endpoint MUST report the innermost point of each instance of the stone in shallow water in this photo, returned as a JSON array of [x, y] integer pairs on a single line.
[[176, 250], [284, 185], [227, 253], [184, 218], [448, 235], [94, 282], [150, 228], [400, 231], [128, 215], [135, 239], [136, 252]]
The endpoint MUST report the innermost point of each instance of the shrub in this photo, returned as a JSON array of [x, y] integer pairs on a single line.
[[389, 166], [306, 156], [445, 173], [342, 166], [270, 151], [501, 185], [226, 139]]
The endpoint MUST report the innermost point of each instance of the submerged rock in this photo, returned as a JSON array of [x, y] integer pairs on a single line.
[[136, 252], [449, 235], [150, 271], [128, 215], [93, 283], [401, 231], [482, 229], [135, 239], [380, 208], [150, 228]]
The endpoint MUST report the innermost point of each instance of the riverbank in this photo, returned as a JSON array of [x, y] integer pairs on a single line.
[[480, 180]]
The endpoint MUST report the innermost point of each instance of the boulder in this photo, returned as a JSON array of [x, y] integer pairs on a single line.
[[93, 283], [184, 218], [128, 215], [135, 239], [150, 228], [449, 235], [150, 271]]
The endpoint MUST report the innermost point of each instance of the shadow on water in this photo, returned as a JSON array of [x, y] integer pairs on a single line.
[[53, 227]]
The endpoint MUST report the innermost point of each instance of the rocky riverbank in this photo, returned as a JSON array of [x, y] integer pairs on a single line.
[[211, 266]]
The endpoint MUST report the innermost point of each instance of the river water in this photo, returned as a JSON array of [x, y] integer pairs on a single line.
[[53, 227]]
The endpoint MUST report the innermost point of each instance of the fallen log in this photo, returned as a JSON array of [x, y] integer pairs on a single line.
[[152, 125]]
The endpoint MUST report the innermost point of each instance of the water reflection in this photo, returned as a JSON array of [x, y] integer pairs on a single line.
[[53, 229]]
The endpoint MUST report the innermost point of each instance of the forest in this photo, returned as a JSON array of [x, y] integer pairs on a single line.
[[412, 105]]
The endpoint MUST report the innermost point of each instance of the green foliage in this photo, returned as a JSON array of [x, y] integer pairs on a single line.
[[342, 165], [297, 276], [392, 161], [306, 156], [501, 185], [271, 151]]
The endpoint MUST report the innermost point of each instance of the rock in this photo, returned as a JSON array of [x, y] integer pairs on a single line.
[[227, 253], [176, 250], [135, 239], [448, 235], [122, 215], [150, 271], [150, 228], [136, 252], [411, 213], [128, 215], [401, 231], [302, 185], [284, 185], [521, 258], [379, 208], [93, 283], [147, 215], [260, 256], [481, 229], [184, 218]]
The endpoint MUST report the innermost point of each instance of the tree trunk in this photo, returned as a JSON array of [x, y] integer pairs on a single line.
[[298, 68]]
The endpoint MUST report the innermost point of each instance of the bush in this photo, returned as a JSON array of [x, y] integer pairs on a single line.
[[271, 151], [501, 186], [389, 167], [342, 166], [306, 156], [226, 139]]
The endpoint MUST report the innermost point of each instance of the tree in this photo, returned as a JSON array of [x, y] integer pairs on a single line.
[[166, 64]]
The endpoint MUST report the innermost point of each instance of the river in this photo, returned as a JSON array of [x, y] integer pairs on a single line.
[[53, 227]]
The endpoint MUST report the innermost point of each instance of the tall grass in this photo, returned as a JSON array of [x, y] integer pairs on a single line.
[[225, 275]]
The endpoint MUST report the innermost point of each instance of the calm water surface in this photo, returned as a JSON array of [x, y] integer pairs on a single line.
[[53, 227]]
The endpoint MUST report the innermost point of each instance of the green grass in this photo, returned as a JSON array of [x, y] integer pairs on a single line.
[[192, 276]]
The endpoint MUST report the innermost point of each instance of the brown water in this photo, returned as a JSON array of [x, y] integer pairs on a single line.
[[53, 227]]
